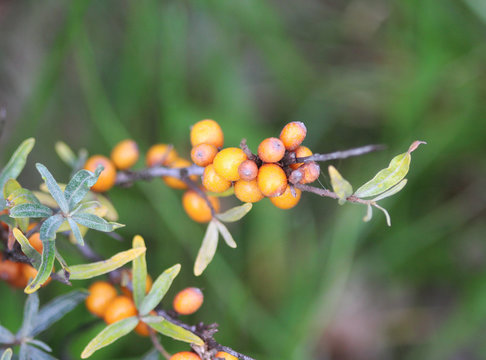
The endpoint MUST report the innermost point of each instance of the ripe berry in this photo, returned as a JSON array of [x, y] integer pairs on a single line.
[[225, 356], [301, 151], [293, 134], [203, 154], [227, 161], [207, 132], [101, 293], [271, 150], [185, 355], [108, 175], [248, 191], [248, 170], [9, 271], [174, 182], [160, 155], [125, 154], [29, 273], [213, 182], [287, 200], [36, 242], [197, 208], [119, 308], [271, 180], [307, 173], [188, 301]]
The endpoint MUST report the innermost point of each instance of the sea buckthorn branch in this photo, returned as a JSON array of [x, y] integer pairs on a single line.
[[127, 178], [343, 154], [330, 194]]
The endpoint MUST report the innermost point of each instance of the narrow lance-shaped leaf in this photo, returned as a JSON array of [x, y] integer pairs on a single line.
[[235, 214], [228, 238], [389, 177], [7, 354], [53, 187], [24, 352], [39, 344], [109, 335], [87, 206], [21, 196], [207, 249], [30, 210], [95, 222], [76, 232], [45, 269], [6, 337], [65, 153], [50, 226], [27, 249], [340, 185], [391, 191], [387, 216], [139, 272], [31, 309], [88, 271], [17, 162], [79, 186], [161, 325], [159, 289], [369, 213]]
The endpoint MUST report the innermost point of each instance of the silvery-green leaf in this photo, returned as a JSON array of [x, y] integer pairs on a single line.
[[235, 214], [56, 309], [76, 232], [79, 186], [161, 325], [86, 206], [109, 335], [228, 238], [39, 344], [50, 226], [95, 222], [30, 210], [7, 354], [65, 154], [139, 272], [369, 213], [6, 337], [31, 309], [159, 289], [398, 187], [389, 177], [38, 354], [388, 219], [27, 249], [17, 162], [53, 187], [24, 352], [340, 185], [207, 249], [45, 269]]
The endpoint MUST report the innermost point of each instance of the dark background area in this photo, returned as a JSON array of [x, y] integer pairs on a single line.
[[314, 282]]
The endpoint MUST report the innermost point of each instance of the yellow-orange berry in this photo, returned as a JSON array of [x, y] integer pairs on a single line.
[[272, 180], [119, 308], [207, 132], [248, 170], [227, 161], [197, 208], [293, 134], [36, 242], [287, 200], [203, 154], [174, 182], [10, 271], [185, 355], [307, 173], [125, 154], [271, 150], [213, 182], [225, 356], [188, 301], [301, 151], [107, 177], [29, 273], [160, 155], [101, 293], [248, 191]]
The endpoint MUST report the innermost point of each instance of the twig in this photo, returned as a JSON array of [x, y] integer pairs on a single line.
[[157, 344], [126, 178], [332, 195], [247, 151], [193, 186], [341, 154]]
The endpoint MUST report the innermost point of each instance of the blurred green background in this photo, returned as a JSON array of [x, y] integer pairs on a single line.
[[314, 282]]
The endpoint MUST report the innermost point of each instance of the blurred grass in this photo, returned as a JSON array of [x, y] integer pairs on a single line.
[[355, 72]]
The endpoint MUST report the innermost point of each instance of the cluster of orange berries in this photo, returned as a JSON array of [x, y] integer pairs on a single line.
[[188, 355]]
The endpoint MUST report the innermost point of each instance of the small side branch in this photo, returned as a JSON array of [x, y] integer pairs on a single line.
[[332, 195], [341, 154], [126, 178]]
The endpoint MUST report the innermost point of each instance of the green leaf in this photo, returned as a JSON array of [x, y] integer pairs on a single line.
[[340, 185], [21, 196], [7, 354], [225, 193], [207, 249], [88, 271], [30, 210], [6, 337], [139, 272], [159, 289], [27, 249], [10, 186], [389, 177], [109, 335], [65, 153], [24, 352], [236, 213], [53, 187], [38, 354], [95, 222], [45, 269], [76, 232], [17, 162], [31, 309], [391, 191], [161, 325], [87, 206], [228, 238], [50, 226], [369, 213], [56, 309], [79, 186]]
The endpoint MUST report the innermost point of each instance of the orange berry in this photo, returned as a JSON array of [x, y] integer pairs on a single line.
[[197, 208], [301, 151], [142, 329], [293, 134], [271, 180], [207, 132], [125, 154], [203, 154], [225, 356], [29, 273], [248, 170], [287, 200], [10, 271], [160, 155], [227, 161], [121, 307], [128, 291], [271, 150], [108, 175], [185, 355], [188, 301], [248, 191], [213, 182], [36, 242], [174, 182], [307, 173], [101, 293]]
